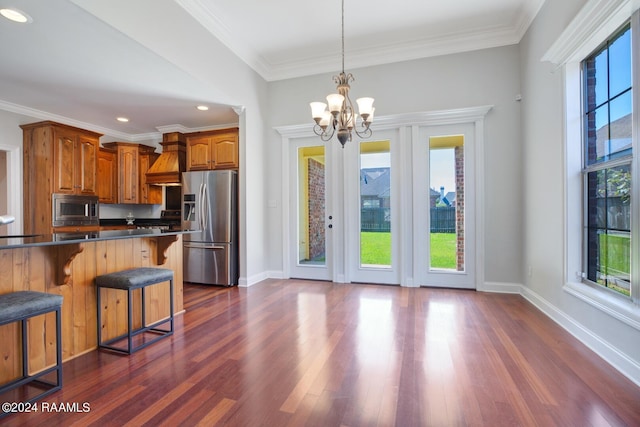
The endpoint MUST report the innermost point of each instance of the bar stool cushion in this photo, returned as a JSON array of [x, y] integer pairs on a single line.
[[130, 280], [134, 278], [22, 304]]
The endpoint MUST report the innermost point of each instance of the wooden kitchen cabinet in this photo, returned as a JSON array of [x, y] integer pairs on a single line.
[[132, 163], [212, 150], [107, 178], [75, 161], [56, 159], [77, 229], [128, 174], [150, 194]]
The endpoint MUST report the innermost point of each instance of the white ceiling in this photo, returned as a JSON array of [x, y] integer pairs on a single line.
[[72, 65]]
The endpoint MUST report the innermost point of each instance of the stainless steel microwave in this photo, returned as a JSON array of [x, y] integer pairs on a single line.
[[70, 209]]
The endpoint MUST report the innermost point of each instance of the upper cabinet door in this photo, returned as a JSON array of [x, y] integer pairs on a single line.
[[107, 179], [225, 151], [199, 153], [210, 150], [75, 159], [64, 143], [128, 174], [87, 165]]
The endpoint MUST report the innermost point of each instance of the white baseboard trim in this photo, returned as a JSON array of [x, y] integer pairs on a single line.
[[245, 282], [620, 361], [501, 288], [275, 274]]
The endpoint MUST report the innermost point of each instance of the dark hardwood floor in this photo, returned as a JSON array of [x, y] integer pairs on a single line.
[[304, 353]]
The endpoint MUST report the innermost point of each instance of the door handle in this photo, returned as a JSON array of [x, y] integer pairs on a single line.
[[205, 207], [214, 247]]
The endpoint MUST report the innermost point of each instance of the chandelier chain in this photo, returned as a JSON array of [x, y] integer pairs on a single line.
[[341, 117], [343, 36]]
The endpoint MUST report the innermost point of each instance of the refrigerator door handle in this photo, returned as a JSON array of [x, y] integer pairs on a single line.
[[201, 206], [214, 247], [205, 206]]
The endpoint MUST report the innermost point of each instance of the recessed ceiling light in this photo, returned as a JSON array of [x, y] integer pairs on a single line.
[[16, 15], [122, 119], [202, 107]]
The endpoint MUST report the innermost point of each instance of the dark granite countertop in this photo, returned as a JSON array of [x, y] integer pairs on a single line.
[[10, 242], [136, 222]]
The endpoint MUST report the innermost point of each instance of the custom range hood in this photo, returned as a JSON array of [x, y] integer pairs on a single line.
[[168, 168]]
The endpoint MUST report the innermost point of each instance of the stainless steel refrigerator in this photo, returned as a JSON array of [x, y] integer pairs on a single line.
[[209, 205]]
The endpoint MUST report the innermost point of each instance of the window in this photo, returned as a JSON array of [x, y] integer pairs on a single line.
[[601, 116], [607, 141]]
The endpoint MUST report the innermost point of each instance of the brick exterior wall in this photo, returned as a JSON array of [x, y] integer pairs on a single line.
[[316, 236], [459, 160], [593, 241], [590, 71]]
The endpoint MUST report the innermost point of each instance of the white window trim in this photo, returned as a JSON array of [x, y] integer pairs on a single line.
[[597, 21]]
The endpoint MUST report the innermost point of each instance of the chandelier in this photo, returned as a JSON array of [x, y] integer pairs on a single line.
[[341, 117]]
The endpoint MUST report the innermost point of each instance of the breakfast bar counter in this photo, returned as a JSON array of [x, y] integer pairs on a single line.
[[67, 264], [22, 241]]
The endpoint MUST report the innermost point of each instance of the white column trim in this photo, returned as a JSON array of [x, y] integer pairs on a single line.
[[14, 182]]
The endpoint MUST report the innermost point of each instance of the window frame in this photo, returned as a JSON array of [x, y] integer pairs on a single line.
[[596, 22], [611, 161]]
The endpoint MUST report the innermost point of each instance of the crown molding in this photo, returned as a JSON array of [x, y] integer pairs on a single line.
[[43, 115], [183, 129], [123, 136], [399, 52], [213, 21], [597, 18], [527, 14]]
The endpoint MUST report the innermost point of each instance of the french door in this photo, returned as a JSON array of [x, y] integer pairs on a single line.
[[373, 179], [444, 206], [311, 238], [343, 210], [399, 208]]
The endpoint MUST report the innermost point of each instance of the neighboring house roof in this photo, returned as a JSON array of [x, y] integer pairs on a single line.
[[375, 182], [616, 140], [450, 198]]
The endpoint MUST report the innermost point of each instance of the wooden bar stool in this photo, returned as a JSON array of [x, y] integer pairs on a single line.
[[19, 307], [130, 280]]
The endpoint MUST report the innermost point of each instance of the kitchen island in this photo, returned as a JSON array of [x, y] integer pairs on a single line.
[[67, 264]]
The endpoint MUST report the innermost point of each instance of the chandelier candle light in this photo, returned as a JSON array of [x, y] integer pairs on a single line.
[[341, 115]]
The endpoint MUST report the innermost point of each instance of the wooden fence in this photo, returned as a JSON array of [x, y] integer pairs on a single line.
[[443, 220]]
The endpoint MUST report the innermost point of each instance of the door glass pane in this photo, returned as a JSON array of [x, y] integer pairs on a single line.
[[375, 204], [446, 202], [311, 206]]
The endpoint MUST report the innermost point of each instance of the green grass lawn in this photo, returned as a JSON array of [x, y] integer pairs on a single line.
[[615, 253], [375, 249], [615, 260], [443, 250]]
